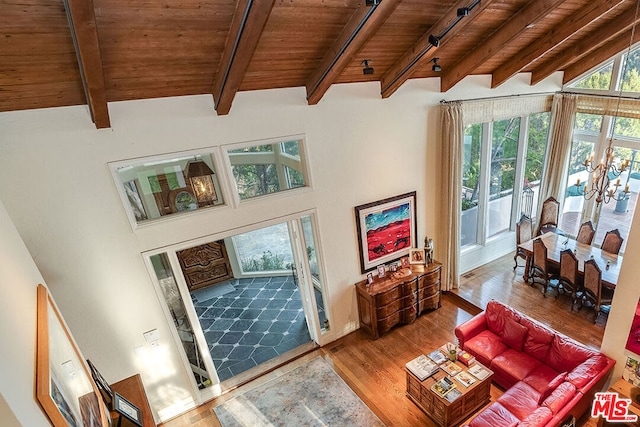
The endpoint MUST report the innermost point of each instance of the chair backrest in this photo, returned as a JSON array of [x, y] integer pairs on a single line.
[[540, 255], [593, 280], [612, 241], [527, 201], [569, 266], [586, 233], [550, 212], [524, 229]]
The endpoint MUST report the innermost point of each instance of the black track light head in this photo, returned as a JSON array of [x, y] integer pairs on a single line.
[[366, 69], [434, 40], [463, 11], [436, 67]]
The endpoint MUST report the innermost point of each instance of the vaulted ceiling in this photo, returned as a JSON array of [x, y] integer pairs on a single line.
[[72, 52]]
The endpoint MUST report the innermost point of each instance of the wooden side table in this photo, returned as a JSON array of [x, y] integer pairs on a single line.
[[132, 389], [443, 412]]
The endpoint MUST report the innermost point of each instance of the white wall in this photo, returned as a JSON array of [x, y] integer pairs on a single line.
[[56, 186], [19, 277]]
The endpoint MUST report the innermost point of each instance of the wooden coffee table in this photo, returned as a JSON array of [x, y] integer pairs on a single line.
[[443, 412]]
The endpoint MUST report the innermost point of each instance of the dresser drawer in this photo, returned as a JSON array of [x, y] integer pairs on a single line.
[[431, 302], [429, 278], [427, 291], [389, 322], [389, 296], [389, 309]]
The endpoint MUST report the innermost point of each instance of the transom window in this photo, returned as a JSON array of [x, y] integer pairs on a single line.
[[259, 170]]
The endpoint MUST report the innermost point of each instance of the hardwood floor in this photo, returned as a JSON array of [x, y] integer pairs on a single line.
[[374, 369]]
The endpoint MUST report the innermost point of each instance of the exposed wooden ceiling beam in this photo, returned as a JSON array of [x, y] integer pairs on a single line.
[[534, 11], [423, 51], [583, 47], [600, 55], [82, 22], [364, 23], [246, 28], [553, 39]]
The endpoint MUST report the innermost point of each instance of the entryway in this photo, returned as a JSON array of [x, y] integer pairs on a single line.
[[271, 302]]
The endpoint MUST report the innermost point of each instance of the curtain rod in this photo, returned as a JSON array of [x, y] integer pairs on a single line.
[[517, 95]]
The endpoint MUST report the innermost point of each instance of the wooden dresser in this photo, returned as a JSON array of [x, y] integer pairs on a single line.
[[393, 300]]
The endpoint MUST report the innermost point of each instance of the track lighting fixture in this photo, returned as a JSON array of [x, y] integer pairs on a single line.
[[434, 40], [463, 11], [436, 67], [366, 69], [372, 2]]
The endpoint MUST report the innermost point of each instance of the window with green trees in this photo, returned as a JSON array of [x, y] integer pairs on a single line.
[[499, 160], [264, 169]]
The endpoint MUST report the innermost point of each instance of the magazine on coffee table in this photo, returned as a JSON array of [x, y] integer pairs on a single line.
[[437, 357], [453, 394], [443, 386], [465, 379], [422, 367], [451, 368], [479, 371]]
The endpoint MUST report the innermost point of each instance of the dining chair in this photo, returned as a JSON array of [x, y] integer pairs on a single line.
[[593, 292], [549, 216], [540, 266], [568, 276], [586, 233], [524, 233], [612, 241]]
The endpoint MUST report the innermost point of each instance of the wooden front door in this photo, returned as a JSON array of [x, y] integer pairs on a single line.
[[205, 265]]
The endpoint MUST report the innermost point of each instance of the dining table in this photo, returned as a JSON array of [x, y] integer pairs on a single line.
[[609, 263]]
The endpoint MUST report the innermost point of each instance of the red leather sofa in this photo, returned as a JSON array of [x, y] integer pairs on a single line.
[[548, 377]]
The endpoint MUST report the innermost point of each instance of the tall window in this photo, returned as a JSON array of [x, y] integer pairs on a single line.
[[592, 134], [501, 160]]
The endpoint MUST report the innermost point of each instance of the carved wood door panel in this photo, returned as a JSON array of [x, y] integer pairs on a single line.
[[205, 265]]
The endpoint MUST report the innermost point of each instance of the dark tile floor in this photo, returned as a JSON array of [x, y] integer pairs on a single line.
[[259, 320]]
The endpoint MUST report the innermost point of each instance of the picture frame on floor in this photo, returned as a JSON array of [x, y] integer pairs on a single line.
[[126, 409]]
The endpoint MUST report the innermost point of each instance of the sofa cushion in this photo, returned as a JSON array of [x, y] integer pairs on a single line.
[[514, 334], [587, 370], [485, 346], [539, 417], [514, 364], [521, 400], [540, 377], [559, 397], [538, 339], [494, 415], [552, 385], [496, 314], [564, 354]]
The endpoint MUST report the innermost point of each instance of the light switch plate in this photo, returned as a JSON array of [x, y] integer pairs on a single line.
[[151, 336]]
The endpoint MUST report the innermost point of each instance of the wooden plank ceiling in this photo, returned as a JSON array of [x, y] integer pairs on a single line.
[[73, 52]]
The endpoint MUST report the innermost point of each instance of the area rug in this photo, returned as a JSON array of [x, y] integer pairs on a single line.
[[311, 395]]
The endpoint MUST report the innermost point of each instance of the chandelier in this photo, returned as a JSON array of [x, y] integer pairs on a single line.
[[608, 169], [602, 173]]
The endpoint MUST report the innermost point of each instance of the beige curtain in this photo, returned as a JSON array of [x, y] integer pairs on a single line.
[[452, 136], [563, 112]]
